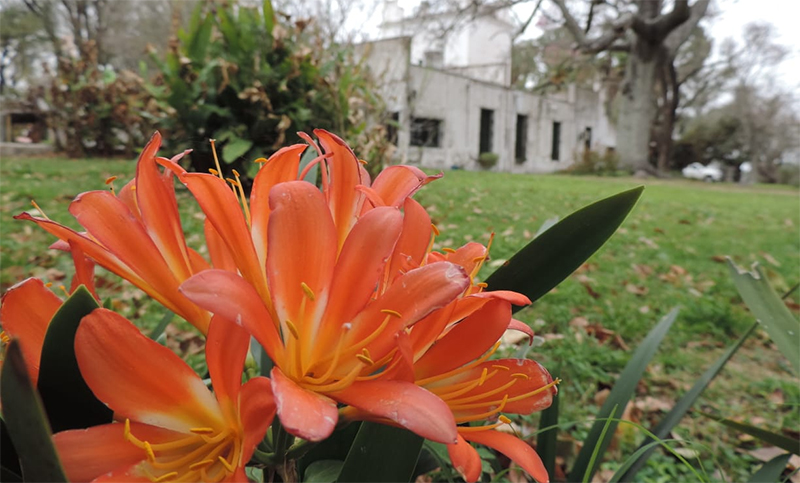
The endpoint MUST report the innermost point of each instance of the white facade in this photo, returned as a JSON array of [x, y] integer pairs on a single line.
[[467, 100]]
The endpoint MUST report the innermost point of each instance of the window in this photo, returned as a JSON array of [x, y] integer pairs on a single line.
[[392, 123], [554, 151], [487, 131], [434, 58], [587, 139], [521, 145], [425, 132]]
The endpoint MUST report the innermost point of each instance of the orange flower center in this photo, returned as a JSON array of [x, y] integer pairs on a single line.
[[206, 455]]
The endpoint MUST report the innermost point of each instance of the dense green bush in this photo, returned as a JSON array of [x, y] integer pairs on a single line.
[[488, 160], [592, 162]]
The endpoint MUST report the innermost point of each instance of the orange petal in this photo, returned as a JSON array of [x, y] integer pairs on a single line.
[[467, 341], [89, 453], [404, 403], [396, 183], [139, 378], [360, 266], [224, 212], [522, 327], [517, 450], [465, 460], [302, 254], [345, 174], [257, 409], [26, 310], [303, 413], [156, 201], [84, 270], [401, 367], [131, 474], [226, 349], [280, 167], [414, 240], [230, 296], [221, 257], [127, 195]]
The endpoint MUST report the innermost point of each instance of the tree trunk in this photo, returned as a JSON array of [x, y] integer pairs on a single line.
[[637, 109]]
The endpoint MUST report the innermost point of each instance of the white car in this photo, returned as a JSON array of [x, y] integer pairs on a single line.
[[709, 173]]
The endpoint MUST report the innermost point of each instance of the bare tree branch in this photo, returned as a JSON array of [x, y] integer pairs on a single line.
[[525, 25], [678, 36], [656, 29], [593, 46]]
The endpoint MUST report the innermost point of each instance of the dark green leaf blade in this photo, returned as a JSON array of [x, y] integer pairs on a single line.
[[27, 424], [680, 408], [768, 308], [69, 402], [771, 470], [775, 439], [382, 454], [323, 471], [9, 460], [555, 254], [620, 395], [546, 441]]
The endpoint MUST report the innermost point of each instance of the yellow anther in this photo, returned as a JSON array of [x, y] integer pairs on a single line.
[[231, 181], [166, 476], [39, 209], [260, 160], [48, 284], [110, 179], [202, 430], [200, 464], [213, 171], [362, 161], [504, 419], [151, 456], [227, 465], [292, 329], [483, 376], [127, 432], [478, 259], [133, 187], [392, 312], [309, 293], [366, 360], [519, 375], [502, 368], [4, 338], [366, 353], [448, 250], [64, 289], [482, 285], [216, 159], [235, 173]]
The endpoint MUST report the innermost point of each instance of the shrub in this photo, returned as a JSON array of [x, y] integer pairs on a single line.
[[488, 160]]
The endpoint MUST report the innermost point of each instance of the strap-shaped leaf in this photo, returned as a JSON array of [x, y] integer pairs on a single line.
[[680, 408], [26, 421], [771, 470], [69, 402], [381, 453], [600, 436], [547, 441], [555, 254], [768, 308], [775, 439], [323, 471], [9, 460]]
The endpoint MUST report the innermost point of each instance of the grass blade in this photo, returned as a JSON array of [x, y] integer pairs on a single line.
[[635, 457], [772, 470], [555, 254], [162, 325], [381, 453], [680, 408], [775, 439], [596, 450], [768, 308], [547, 441], [620, 396], [26, 421]]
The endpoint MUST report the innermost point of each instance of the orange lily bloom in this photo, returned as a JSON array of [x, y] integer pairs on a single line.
[[137, 235], [169, 427]]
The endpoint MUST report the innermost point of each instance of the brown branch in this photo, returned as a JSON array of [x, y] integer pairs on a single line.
[[679, 35], [656, 29], [599, 44], [525, 25]]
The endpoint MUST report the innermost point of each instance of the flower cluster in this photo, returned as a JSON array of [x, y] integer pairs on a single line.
[[361, 318]]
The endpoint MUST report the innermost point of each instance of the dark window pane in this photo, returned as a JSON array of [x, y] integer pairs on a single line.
[[425, 132], [521, 145], [487, 130], [555, 151]]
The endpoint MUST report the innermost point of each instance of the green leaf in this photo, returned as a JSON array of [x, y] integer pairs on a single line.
[[235, 148], [637, 456], [9, 460], [26, 421], [381, 453], [620, 395], [335, 447], [162, 325], [69, 402], [555, 254], [772, 470], [323, 471], [770, 311], [307, 157], [547, 441], [201, 37], [775, 439], [680, 408], [269, 16]]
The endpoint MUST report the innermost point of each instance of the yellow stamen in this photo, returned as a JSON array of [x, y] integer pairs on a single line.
[[392, 312], [4, 338], [151, 456], [261, 160], [200, 464], [519, 375], [436, 231], [226, 464], [483, 376], [48, 284], [482, 284], [110, 184], [166, 476], [366, 360], [448, 250], [504, 419], [213, 171], [133, 187], [127, 431], [110, 179], [309, 293], [39, 209], [476, 362], [216, 159], [478, 259], [202, 430], [64, 289], [336, 353], [362, 161], [244, 198], [292, 329]]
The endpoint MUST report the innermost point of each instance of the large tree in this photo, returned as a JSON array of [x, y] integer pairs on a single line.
[[651, 36]]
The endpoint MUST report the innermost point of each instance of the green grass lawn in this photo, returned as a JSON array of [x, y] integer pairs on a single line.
[[669, 252]]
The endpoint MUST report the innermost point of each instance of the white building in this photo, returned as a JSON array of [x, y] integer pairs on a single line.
[[451, 95]]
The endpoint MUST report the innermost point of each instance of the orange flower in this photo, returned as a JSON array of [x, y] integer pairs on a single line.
[[137, 235], [310, 262], [170, 426]]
